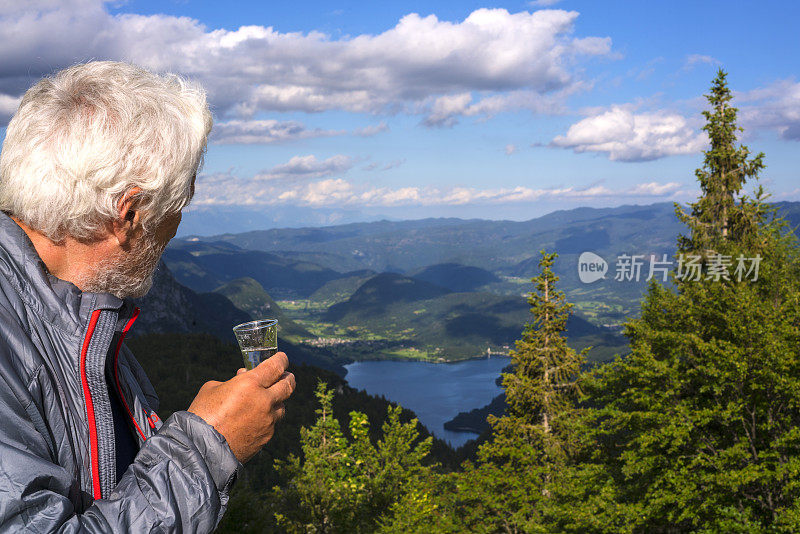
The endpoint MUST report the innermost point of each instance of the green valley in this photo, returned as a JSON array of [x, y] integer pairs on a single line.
[[433, 289]]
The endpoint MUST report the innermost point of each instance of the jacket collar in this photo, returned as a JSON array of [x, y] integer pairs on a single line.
[[56, 300]]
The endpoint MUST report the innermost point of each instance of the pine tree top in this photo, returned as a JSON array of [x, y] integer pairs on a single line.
[[722, 214], [549, 306]]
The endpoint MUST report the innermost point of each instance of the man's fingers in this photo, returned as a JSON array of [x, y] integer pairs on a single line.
[[283, 388], [270, 370], [240, 371]]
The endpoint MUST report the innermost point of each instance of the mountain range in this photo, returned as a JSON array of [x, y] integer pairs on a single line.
[[327, 265], [432, 288]]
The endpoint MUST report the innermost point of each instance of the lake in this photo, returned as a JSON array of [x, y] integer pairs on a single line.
[[436, 392]]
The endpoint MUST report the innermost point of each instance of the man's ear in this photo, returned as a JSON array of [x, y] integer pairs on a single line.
[[129, 217]]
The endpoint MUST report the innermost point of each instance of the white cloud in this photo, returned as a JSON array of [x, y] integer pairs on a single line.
[[627, 136], [325, 192], [446, 110], [775, 107], [8, 106], [307, 167], [226, 189], [393, 164], [269, 131], [654, 189], [265, 132], [375, 166], [794, 194], [369, 131], [543, 3], [255, 68], [692, 60]]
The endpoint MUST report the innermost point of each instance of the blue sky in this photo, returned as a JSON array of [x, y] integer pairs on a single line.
[[351, 111]]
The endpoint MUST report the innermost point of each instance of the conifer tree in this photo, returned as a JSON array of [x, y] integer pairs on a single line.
[[718, 215], [542, 386], [699, 427], [510, 489], [349, 485], [317, 497]]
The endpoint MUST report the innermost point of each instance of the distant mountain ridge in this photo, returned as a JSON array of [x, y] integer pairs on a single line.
[[481, 268], [455, 277], [381, 290], [407, 245], [508, 250]]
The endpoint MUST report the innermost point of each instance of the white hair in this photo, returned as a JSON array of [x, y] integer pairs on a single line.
[[82, 139]]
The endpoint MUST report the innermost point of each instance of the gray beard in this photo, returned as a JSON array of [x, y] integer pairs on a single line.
[[128, 274]]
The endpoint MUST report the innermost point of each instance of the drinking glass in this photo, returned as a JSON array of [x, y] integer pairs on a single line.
[[258, 340]]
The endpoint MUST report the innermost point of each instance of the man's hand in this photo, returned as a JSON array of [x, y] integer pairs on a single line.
[[245, 408]]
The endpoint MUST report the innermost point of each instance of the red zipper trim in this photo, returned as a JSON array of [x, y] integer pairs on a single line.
[[90, 407], [116, 372]]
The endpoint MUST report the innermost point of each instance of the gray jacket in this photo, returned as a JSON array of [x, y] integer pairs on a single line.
[[57, 449]]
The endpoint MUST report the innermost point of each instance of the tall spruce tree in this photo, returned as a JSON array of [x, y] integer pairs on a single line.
[[510, 489], [698, 429], [542, 387], [512, 485], [719, 216]]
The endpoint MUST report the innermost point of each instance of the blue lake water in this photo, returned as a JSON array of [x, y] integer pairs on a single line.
[[436, 392]]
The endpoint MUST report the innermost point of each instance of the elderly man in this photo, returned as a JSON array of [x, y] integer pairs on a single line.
[[96, 166]]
